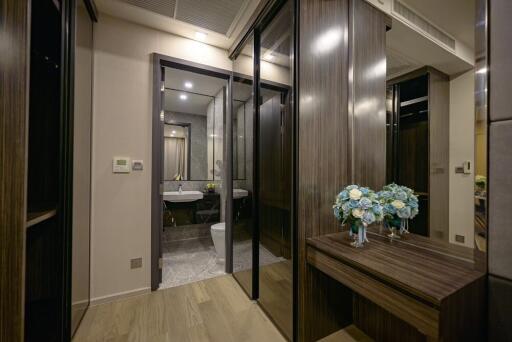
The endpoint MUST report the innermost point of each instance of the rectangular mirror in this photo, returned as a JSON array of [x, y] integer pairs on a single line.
[[194, 118], [435, 129]]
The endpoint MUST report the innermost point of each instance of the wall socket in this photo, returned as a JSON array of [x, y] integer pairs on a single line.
[[136, 263]]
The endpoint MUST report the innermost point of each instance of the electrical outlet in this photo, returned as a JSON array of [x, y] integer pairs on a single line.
[[136, 263], [459, 238]]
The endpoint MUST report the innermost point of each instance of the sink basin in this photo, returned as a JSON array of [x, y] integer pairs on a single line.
[[239, 193], [184, 196]]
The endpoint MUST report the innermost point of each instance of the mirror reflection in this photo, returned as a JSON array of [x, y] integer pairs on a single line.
[[193, 133], [433, 145]]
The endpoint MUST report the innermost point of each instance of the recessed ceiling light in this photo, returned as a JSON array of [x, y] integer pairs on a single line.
[[183, 97], [200, 35], [173, 132], [188, 85]]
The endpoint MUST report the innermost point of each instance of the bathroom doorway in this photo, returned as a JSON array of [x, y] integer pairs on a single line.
[[189, 196]]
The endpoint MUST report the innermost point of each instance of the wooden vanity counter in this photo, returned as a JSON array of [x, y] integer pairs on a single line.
[[439, 294]]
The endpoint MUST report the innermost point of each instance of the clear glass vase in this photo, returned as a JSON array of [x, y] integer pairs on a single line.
[[358, 231]]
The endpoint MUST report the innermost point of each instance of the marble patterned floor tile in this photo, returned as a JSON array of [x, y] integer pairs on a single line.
[[188, 261]]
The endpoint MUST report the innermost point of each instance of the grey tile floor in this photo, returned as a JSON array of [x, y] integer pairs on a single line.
[[187, 261]]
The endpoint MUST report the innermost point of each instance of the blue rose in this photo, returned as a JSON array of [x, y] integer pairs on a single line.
[[368, 217], [385, 195], [377, 209], [412, 204], [343, 195], [353, 204], [365, 203], [401, 195], [405, 212], [389, 209]]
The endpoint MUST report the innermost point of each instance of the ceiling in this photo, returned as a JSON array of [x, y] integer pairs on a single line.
[[455, 17], [220, 21], [407, 50]]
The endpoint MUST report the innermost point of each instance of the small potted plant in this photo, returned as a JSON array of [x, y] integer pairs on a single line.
[[358, 207], [210, 187], [400, 204]]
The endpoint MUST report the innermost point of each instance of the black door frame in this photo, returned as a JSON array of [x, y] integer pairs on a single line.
[[158, 120]]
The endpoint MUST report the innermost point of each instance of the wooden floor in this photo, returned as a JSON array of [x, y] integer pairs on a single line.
[[211, 310]]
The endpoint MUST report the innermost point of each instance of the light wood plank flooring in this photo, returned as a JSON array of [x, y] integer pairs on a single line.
[[211, 310]]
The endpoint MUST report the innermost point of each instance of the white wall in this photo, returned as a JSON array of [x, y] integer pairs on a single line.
[[122, 110], [462, 142]]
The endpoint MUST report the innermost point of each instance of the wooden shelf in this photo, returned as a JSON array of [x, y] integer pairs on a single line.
[[440, 295], [36, 217], [414, 101]]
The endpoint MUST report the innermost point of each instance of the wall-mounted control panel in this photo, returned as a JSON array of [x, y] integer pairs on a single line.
[[121, 165]]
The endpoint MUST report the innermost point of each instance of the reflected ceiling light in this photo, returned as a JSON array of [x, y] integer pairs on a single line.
[[201, 35], [188, 85], [327, 40], [183, 97], [482, 70], [268, 56], [173, 132]]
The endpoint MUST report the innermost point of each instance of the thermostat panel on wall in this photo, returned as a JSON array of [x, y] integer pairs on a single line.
[[121, 165]]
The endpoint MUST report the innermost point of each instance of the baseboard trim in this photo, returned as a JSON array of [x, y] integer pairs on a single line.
[[120, 295]]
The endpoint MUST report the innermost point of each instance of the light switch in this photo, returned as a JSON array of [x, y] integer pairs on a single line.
[[137, 165]]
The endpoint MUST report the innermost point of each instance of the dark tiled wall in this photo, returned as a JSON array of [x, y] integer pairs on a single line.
[[500, 172]]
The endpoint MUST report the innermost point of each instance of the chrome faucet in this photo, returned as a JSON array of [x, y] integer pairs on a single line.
[[179, 189]]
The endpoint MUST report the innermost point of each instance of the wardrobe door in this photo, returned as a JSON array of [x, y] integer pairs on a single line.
[[80, 279], [275, 166]]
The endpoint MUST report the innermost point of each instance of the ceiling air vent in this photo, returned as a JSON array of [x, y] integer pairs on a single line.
[[162, 7], [213, 15], [422, 24]]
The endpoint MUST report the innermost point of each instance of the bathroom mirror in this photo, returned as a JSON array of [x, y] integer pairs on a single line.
[[194, 111], [435, 130]]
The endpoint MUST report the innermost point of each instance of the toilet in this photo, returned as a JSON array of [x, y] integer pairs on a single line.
[[218, 231]]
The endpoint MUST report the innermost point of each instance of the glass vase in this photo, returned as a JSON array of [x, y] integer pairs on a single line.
[[404, 227], [358, 232], [392, 225]]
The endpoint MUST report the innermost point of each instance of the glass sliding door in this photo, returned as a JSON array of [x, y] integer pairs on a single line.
[[275, 169], [243, 175], [80, 279]]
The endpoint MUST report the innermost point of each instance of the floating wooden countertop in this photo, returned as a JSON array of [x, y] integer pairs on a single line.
[[430, 275]]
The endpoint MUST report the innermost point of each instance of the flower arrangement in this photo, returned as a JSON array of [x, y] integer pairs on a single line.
[[210, 187], [480, 182], [358, 207], [399, 205]]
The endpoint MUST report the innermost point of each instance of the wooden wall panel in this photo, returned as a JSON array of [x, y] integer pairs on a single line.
[[367, 111], [323, 151], [13, 124]]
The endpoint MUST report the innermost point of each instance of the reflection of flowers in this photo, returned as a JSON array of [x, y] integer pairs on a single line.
[[399, 202], [480, 182]]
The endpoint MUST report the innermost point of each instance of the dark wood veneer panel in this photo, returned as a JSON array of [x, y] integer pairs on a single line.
[[13, 126], [323, 153], [368, 128], [422, 273]]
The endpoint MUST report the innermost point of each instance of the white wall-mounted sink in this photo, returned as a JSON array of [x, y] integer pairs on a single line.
[[239, 193], [184, 196]]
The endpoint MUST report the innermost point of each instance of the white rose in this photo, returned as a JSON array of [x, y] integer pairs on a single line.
[[355, 194], [398, 204], [357, 213]]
